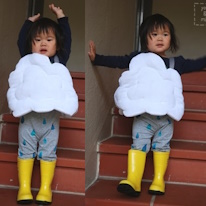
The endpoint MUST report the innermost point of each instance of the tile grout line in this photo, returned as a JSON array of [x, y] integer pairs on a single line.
[[2, 186], [152, 200]]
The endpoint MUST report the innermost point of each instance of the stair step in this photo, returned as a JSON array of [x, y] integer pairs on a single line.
[[194, 90], [81, 110], [70, 169], [72, 132], [8, 197], [187, 157], [104, 193], [184, 156], [195, 100], [79, 83], [79, 86], [191, 127], [69, 179], [194, 81]]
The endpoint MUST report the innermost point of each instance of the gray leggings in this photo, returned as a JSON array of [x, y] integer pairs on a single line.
[[38, 135], [146, 126]]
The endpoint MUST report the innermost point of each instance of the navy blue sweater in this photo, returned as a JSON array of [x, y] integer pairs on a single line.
[[63, 23], [181, 65]]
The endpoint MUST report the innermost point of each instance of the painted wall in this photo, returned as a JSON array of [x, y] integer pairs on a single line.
[[12, 15], [111, 25]]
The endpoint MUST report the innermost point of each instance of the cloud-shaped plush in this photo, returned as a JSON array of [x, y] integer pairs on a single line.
[[149, 87], [38, 85]]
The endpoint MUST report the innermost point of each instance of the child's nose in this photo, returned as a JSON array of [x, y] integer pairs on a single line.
[[43, 42], [159, 37]]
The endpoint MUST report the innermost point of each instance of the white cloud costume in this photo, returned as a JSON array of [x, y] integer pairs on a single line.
[[149, 87], [40, 86]]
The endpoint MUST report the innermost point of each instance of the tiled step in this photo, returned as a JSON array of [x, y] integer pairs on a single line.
[[79, 83], [72, 132], [195, 100], [185, 176], [187, 159], [104, 193], [81, 109], [194, 81], [8, 198], [191, 127], [69, 179], [69, 172], [194, 86], [79, 86]]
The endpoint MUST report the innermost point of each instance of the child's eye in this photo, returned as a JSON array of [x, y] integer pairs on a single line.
[[166, 34], [37, 39], [154, 34], [49, 39]]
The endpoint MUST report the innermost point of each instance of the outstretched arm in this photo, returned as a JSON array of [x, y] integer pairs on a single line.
[[121, 62]]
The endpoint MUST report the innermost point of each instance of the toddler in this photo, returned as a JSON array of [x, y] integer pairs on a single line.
[[151, 123], [40, 89]]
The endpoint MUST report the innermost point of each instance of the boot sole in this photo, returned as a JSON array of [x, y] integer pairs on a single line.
[[25, 202], [152, 192], [42, 202], [128, 190]]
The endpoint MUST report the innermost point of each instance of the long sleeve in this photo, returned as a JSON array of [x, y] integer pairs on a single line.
[[182, 65], [22, 37], [64, 25], [190, 65], [120, 62]]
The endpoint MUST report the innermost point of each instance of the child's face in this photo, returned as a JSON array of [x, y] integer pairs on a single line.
[[45, 43], [159, 40]]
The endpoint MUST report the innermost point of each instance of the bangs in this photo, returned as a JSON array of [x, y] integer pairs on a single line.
[[159, 26], [156, 26], [42, 29], [43, 25]]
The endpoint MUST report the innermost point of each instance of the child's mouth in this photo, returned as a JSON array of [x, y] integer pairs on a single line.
[[43, 51]]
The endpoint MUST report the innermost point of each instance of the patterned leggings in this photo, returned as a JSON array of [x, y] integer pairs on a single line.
[[156, 129], [38, 135]]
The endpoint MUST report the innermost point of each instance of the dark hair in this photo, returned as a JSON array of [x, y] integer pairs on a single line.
[[153, 22], [44, 25]]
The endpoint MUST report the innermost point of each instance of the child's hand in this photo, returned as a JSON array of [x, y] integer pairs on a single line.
[[92, 51], [34, 18], [57, 11]]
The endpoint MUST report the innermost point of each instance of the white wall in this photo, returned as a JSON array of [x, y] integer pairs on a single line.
[[12, 15], [111, 24]]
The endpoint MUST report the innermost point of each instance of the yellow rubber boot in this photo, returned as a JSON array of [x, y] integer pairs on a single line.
[[136, 164], [44, 196], [25, 168], [160, 160]]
